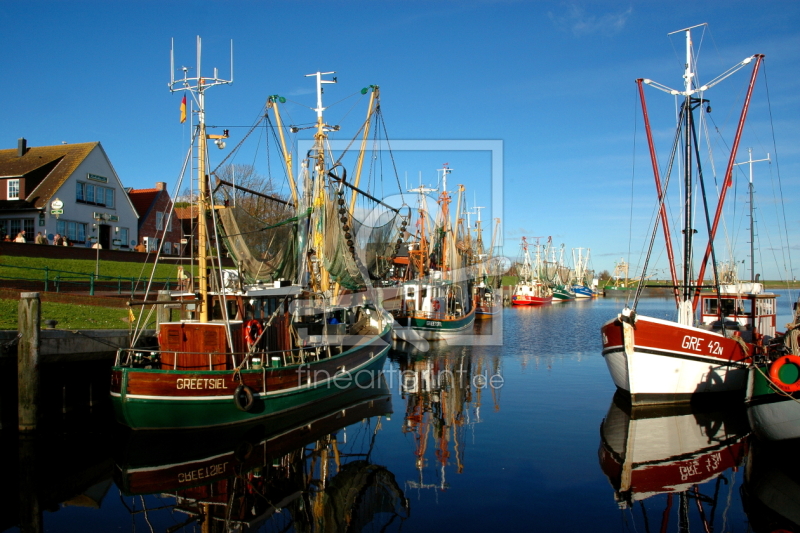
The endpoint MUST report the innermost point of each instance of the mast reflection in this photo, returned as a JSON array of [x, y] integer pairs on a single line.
[[307, 471], [444, 389]]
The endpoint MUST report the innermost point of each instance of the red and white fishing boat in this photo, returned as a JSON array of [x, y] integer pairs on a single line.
[[530, 290], [658, 360]]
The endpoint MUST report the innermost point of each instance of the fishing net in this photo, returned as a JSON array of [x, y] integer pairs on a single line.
[[350, 243], [262, 241]]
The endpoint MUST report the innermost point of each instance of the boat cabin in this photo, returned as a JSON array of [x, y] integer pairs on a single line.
[[744, 313]]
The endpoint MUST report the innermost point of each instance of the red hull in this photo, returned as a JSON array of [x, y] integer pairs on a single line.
[[527, 300]]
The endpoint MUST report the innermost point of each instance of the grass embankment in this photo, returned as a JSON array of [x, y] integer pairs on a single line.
[[76, 316], [69, 316]]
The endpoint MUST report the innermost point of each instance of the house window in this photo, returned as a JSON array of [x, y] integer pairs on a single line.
[[152, 244], [159, 221], [123, 237], [12, 227], [88, 193], [13, 189], [169, 221], [74, 231], [167, 247], [177, 248]]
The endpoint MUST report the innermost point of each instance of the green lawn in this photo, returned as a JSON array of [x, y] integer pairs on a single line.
[[70, 316], [34, 268]]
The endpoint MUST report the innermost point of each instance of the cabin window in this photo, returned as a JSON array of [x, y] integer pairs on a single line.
[[13, 189], [410, 293], [423, 292]]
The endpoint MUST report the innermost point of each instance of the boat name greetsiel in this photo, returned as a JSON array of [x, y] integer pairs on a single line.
[[200, 383], [202, 473]]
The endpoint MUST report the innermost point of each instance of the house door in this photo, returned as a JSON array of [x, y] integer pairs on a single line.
[[105, 234]]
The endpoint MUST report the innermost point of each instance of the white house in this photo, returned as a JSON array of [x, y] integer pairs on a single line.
[[69, 189]]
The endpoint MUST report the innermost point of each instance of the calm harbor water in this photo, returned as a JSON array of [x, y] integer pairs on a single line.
[[523, 436]]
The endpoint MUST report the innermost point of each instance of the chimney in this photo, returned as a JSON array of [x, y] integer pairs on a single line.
[[22, 146], [161, 186]]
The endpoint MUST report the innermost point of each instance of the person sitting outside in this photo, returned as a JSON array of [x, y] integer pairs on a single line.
[[40, 239], [97, 246], [140, 247], [184, 279], [58, 240], [7, 238], [20, 237]]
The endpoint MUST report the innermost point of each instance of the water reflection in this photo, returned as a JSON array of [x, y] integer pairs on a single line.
[[314, 475], [771, 489], [682, 459], [444, 389]]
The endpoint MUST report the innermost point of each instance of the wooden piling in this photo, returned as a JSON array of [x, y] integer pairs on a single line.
[[29, 324]]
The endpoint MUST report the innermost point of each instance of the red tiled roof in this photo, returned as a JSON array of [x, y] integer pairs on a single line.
[[142, 199]]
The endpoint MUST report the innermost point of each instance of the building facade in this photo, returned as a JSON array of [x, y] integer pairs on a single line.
[[156, 227], [68, 189]]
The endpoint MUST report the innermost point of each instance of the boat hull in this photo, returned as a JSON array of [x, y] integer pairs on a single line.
[[657, 361], [483, 312], [774, 415], [433, 328], [531, 300], [582, 291], [186, 399]]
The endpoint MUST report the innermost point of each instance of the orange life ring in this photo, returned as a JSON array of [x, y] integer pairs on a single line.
[[436, 305], [252, 331], [775, 372]]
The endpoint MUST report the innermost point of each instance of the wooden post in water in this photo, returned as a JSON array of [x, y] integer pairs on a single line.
[[29, 319], [163, 313]]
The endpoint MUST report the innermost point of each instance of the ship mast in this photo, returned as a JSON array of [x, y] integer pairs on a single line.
[[197, 86], [750, 162]]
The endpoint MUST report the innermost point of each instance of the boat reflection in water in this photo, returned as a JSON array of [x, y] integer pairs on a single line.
[[771, 489], [671, 450], [444, 390], [302, 473]]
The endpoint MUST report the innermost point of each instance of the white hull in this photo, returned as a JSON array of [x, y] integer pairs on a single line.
[[664, 362]]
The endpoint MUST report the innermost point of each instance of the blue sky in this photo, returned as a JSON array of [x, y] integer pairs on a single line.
[[553, 81]]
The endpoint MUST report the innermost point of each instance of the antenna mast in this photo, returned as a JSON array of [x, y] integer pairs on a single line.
[[197, 86]]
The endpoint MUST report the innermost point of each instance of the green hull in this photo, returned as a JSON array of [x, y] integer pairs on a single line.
[[436, 329], [204, 409]]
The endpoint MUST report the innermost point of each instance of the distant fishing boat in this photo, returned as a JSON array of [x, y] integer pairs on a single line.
[[619, 279], [436, 302], [584, 283], [488, 301], [530, 290], [661, 361], [557, 274]]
